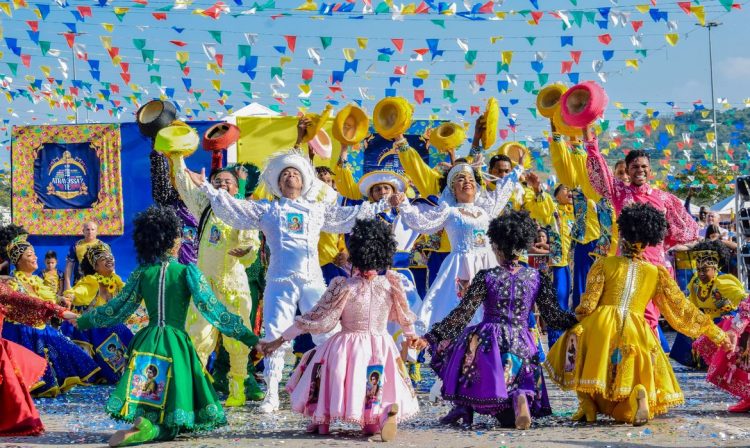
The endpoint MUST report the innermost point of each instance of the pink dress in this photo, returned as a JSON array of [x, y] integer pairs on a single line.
[[358, 373], [681, 228]]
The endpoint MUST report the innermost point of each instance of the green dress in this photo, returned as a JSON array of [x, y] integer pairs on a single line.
[[164, 380]]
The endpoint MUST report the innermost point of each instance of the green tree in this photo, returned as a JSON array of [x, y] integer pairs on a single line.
[[708, 183]]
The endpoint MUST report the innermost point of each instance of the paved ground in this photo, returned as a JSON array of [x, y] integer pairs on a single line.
[[77, 418]]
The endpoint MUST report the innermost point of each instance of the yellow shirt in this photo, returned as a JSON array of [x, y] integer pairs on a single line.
[[718, 297], [86, 290], [543, 209], [329, 246]]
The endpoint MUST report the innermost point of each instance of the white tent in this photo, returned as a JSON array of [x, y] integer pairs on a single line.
[[724, 208], [251, 110]]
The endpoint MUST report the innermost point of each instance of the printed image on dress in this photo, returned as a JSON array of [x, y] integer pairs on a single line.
[[480, 238], [571, 350], [149, 379], [743, 352], [315, 384], [215, 235], [374, 386], [295, 223], [188, 234], [113, 352], [511, 367]]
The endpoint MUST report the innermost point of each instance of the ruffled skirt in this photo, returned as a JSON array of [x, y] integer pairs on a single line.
[[20, 369], [729, 371], [107, 346], [353, 377]]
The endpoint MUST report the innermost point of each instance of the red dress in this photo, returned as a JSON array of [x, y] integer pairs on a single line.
[[20, 368]]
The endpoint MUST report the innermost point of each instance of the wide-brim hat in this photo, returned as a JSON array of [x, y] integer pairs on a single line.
[[322, 144], [220, 136], [154, 116], [289, 159], [317, 122], [491, 119], [548, 99], [514, 151], [447, 137], [351, 125], [177, 139], [564, 128], [373, 178], [392, 117], [582, 104]]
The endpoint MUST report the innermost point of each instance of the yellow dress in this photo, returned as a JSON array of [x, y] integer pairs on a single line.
[[613, 349]]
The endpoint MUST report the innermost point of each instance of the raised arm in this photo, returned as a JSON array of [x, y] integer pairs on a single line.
[[345, 183], [455, 322], [493, 202], [553, 315], [341, 218], [116, 310], [562, 161], [400, 312], [238, 213], [682, 315], [426, 179], [600, 175], [214, 311], [424, 219], [682, 228], [195, 200], [325, 315], [162, 191]]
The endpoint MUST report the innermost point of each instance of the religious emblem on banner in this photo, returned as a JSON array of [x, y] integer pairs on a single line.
[[67, 177]]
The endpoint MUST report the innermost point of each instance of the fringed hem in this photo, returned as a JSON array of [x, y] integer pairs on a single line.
[[400, 418], [201, 427]]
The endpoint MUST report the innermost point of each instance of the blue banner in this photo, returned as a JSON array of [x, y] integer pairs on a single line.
[[66, 175]]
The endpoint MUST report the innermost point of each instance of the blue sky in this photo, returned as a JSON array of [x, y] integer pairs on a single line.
[[678, 74]]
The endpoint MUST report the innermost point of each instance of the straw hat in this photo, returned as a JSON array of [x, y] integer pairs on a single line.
[[491, 117], [154, 116], [447, 136], [514, 150], [392, 117], [322, 144], [351, 125], [582, 104], [548, 99], [317, 122], [177, 139]]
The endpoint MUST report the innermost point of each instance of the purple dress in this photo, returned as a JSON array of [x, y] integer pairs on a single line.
[[486, 366]]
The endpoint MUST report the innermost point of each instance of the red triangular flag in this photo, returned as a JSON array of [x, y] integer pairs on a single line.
[[605, 39], [125, 66], [159, 15], [399, 70], [125, 77], [71, 38], [576, 55], [566, 66], [637, 24], [481, 78], [291, 42], [422, 9], [399, 44], [33, 24], [418, 95], [26, 60], [219, 60], [503, 134], [307, 74], [487, 8], [685, 6], [537, 15], [179, 43], [474, 110]]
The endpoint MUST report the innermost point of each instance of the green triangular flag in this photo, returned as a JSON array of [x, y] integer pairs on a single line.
[[305, 102], [44, 46], [139, 43], [244, 51], [590, 16], [502, 67], [216, 35], [532, 110], [642, 52], [277, 71], [604, 124], [384, 58], [439, 22], [727, 4], [382, 8], [531, 39], [470, 56], [246, 85], [13, 68], [326, 41], [543, 78], [156, 79], [577, 17], [448, 94], [153, 68], [148, 55], [528, 86], [451, 77]]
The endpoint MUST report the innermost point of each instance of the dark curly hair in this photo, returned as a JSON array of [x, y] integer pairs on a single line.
[[86, 267], [154, 232], [7, 233], [718, 247], [371, 245], [512, 233], [634, 154], [642, 223]]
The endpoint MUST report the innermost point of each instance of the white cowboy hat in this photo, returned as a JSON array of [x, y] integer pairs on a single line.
[[373, 178], [288, 159]]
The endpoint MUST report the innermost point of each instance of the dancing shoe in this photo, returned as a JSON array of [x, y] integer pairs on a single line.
[[389, 423], [464, 413], [586, 409], [741, 407], [523, 416], [315, 428], [143, 431], [270, 403], [253, 392], [640, 395], [236, 392]]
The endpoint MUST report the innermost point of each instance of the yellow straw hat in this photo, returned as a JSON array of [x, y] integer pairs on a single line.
[[447, 136], [351, 125], [514, 150], [548, 99], [317, 122], [177, 139], [564, 128], [491, 117], [392, 117]]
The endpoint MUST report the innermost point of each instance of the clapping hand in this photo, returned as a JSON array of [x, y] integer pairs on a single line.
[[270, 347], [417, 343], [396, 199], [197, 178], [534, 182]]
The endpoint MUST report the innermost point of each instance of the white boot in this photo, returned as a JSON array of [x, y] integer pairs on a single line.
[[271, 401], [435, 394]]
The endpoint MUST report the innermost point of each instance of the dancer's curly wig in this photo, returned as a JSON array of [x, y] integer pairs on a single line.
[[718, 247], [642, 223], [86, 267], [7, 233], [155, 231], [371, 245], [512, 233]]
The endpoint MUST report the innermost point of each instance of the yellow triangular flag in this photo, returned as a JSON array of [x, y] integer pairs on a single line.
[[409, 9], [643, 9], [216, 83], [284, 60], [672, 38], [631, 63], [6, 9], [700, 14], [362, 42], [506, 57], [305, 88], [618, 105], [422, 73], [655, 124], [106, 41], [309, 5], [45, 69], [445, 83], [500, 14], [349, 54], [108, 27], [183, 56], [710, 136], [18, 4], [494, 39], [670, 129], [704, 113]]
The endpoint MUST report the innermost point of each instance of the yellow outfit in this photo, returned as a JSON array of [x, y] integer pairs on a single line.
[[52, 280], [86, 291], [225, 273], [556, 217], [613, 349], [329, 246], [720, 296]]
